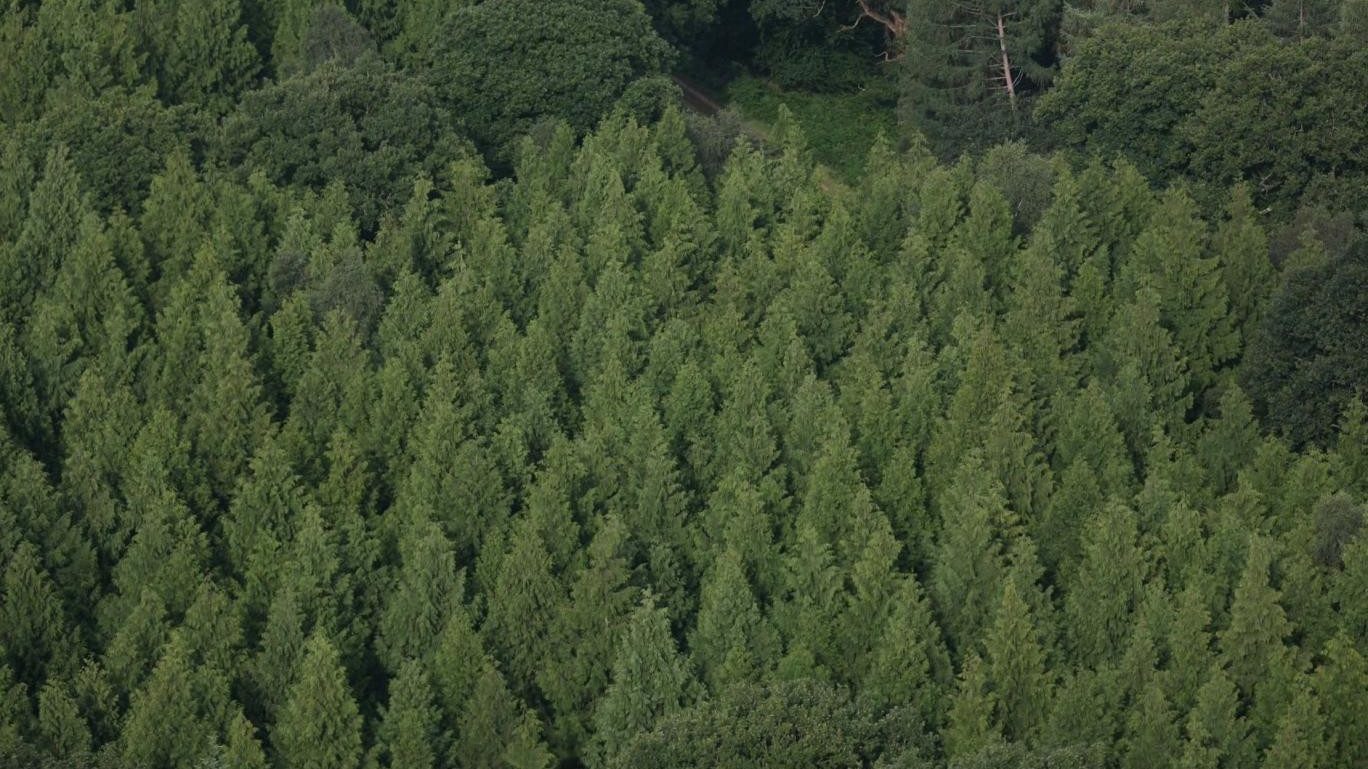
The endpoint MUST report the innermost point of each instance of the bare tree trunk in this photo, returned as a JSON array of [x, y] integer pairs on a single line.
[[1007, 78]]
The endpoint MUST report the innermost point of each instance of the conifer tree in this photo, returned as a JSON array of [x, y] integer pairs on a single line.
[[1084, 709], [167, 718], [1343, 680], [584, 636], [1242, 252], [489, 723], [242, 749], [1300, 739], [970, 66], [1217, 736], [909, 665], [650, 680], [1152, 739], [33, 628], [277, 662], [1017, 668], [319, 727], [524, 601], [1193, 300], [49, 232], [1189, 645], [208, 58], [457, 663], [64, 732], [428, 585], [408, 730], [969, 567], [1103, 595], [1258, 624], [971, 725], [732, 640]]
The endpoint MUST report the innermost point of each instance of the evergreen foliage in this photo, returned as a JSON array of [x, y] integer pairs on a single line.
[[398, 384]]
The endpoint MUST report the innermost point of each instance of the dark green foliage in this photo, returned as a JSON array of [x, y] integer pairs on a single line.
[[1305, 362], [503, 66], [1187, 83], [803, 723], [366, 126], [970, 67]]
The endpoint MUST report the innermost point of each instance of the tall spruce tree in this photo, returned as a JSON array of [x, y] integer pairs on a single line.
[[319, 726]]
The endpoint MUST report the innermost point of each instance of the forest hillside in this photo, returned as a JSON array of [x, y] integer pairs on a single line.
[[411, 384]]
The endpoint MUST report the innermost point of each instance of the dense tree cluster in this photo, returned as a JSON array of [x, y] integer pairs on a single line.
[[403, 386]]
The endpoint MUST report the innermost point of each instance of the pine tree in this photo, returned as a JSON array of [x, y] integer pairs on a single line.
[[319, 727], [1300, 740], [1106, 591], [909, 664], [1017, 668], [408, 729], [1258, 625], [732, 641], [1151, 737], [971, 725], [969, 567], [650, 680]]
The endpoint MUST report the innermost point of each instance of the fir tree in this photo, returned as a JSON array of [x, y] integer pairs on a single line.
[[408, 730], [1300, 740], [1343, 680], [969, 566], [1101, 598], [971, 725], [1017, 668], [319, 726], [909, 665], [64, 732], [650, 680], [1152, 738], [1258, 625], [732, 640]]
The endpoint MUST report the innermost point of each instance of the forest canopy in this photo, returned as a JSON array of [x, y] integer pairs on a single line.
[[411, 384]]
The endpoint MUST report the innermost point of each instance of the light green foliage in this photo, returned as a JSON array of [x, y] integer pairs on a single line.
[[409, 728], [1016, 667], [319, 726], [650, 680], [1106, 590], [325, 446]]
